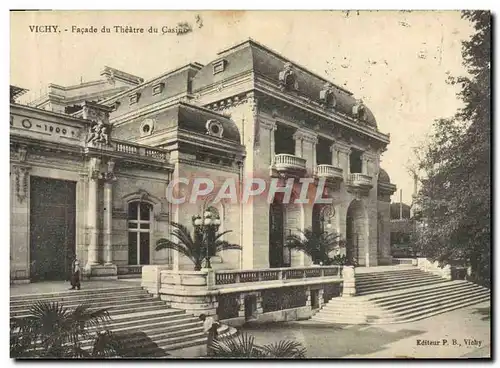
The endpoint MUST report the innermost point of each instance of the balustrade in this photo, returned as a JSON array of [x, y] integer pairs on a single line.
[[284, 162], [228, 277]]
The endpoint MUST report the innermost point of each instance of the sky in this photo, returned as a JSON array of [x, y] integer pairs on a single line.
[[397, 62]]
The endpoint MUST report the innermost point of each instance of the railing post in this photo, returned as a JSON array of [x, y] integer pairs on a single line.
[[349, 282], [237, 278], [210, 279]]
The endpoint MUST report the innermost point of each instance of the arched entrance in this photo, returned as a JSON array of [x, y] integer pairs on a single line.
[[356, 232], [276, 233]]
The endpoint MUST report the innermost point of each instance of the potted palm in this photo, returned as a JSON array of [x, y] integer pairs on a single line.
[[316, 244], [197, 247]]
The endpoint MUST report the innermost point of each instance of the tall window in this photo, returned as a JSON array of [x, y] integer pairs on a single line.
[[283, 140], [139, 228], [356, 162], [323, 153]]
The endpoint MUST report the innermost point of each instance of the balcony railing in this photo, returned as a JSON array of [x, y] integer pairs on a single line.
[[284, 162], [229, 277], [329, 172], [135, 149], [359, 180]]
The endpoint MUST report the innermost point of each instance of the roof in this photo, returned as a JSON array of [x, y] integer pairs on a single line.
[[15, 92], [383, 177], [187, 117], [251, 56]]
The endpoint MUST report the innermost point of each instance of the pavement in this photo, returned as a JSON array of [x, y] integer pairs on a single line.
[[462, 333]]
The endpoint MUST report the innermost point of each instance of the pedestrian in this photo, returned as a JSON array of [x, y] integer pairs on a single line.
[[209, 327], [75, 275]]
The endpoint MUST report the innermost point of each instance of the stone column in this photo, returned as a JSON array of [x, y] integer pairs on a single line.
[[298, 143], [267, 138], [344, 152], [92, 256], [335, 155], [108, 212]]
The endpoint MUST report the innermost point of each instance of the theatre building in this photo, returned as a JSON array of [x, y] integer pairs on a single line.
[[90, 165]]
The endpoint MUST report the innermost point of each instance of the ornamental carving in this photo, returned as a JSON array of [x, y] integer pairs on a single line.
[[288, 79], [21, 185], [20, 153], [214, 128], [99, 133], [359, 110], [96, 113], [327, 96]]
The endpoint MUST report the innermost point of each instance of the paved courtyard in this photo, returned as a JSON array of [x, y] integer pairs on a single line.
[[389, 341]]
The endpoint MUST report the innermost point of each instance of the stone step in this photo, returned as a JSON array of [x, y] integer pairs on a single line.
[[77, 297], [396, 305], [386, 295], [376, 290], [408, 311], [426, 313], [415, 313], [385, 276], [75, 293], [379, 280], [144, 300], [398, 283]]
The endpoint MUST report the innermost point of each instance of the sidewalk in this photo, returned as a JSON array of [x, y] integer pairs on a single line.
[[388, 341]]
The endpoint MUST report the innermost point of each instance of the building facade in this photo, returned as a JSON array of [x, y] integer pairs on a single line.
[[91, 165]]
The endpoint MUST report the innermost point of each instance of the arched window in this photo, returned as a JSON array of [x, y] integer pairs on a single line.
[[139, 232]]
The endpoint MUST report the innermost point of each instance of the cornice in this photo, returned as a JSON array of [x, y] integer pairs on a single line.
[[146, 110], [208, 165], [270, 88]]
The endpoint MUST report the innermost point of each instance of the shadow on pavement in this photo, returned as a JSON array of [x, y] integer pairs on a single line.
[[330, 340], [137, 344], [485, 312]]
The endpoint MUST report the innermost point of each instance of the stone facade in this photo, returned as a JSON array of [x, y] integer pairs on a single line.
[[252, 115]]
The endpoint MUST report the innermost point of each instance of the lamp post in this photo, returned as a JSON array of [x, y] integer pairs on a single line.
[[207, 226], [327, 213]]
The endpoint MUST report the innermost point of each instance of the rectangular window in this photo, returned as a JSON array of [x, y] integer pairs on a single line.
[[132, 248], [144, 248]]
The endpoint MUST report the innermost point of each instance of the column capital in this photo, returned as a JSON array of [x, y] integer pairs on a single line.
[[306, 135], [341, 147], [268, 124]]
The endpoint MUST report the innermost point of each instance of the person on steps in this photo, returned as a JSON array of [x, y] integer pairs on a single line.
[[75, 275], [210, 327]]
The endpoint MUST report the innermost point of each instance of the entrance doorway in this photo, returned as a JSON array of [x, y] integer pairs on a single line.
[[356, 236], [276, 234], [52, 228]]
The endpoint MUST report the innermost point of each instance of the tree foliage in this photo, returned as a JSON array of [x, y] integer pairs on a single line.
[[195, 247], [316, 244], [455, 196], [244, 346]]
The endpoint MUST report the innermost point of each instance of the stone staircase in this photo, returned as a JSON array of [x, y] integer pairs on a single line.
[[132, 310], [404, 294]]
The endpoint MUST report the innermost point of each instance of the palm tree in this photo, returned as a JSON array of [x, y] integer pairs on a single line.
[[52, 330], [195, 248], [315, 244], [244, 346]]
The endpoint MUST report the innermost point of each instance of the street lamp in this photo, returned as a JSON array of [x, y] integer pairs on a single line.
[[327, 213], [207, 226]]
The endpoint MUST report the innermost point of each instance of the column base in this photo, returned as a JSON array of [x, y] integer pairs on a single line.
[[101, 272]]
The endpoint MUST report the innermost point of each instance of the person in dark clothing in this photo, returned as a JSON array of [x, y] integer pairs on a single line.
[[75, 275], [210, 327]]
